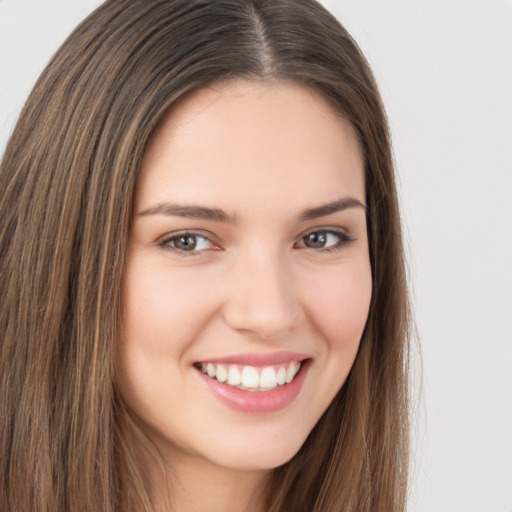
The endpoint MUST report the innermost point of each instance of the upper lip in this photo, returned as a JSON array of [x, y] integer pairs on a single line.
[[256, 359]]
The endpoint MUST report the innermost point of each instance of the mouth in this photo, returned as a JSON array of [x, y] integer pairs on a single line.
[[251, 378], [255, 383]]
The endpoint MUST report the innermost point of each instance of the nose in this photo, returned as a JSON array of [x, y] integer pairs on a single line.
[[262, 301]]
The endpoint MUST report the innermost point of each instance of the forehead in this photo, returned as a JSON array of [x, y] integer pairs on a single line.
[[249, 145]]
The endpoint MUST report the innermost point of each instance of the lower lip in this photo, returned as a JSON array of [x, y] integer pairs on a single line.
[[257, 401]]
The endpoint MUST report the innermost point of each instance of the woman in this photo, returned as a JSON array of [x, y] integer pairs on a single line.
[[204, 302]]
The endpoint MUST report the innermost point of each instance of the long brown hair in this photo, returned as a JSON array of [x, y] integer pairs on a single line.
[[68, 177]]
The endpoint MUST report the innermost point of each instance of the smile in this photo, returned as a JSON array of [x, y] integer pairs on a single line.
[[255, 383], [251, 378]]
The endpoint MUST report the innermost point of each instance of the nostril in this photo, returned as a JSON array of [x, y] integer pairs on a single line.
[[262, 301], [268, 321]]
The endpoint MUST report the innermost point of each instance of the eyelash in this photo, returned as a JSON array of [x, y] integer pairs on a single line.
[[166, 242], [343, 241]]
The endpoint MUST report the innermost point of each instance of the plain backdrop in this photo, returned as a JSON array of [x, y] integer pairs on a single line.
[[445, 72]]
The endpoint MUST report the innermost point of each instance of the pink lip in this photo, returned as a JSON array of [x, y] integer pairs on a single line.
[[254, 359], [257, 401]]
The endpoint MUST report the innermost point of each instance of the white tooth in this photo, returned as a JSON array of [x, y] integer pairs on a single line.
[[289, 374], [210, 369], [221, 374], [250, 377], [234, 377], [203, 367], [268, 378], [281, 376], [292, 371]]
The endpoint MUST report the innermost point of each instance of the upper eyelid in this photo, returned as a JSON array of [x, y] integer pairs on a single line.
[[327, 229], [192, 232]]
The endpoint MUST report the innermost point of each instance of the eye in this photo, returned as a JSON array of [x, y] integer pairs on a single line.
[[325, 240], [187, 243]]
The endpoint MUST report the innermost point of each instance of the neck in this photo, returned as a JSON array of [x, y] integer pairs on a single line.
[[194, 485]]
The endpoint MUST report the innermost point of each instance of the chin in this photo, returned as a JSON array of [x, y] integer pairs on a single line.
[[257, 456]]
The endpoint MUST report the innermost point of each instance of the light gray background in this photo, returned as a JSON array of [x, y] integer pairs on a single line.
[[445, 72]]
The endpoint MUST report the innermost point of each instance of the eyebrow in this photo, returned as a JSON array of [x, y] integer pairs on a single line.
[[190, 212], [328, 209], [218, 215]]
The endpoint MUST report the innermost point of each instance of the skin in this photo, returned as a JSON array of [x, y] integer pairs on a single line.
[[263, 153]]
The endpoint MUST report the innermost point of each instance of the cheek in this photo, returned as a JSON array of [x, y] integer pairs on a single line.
[[339, 304], [163, 312], [162, 309]]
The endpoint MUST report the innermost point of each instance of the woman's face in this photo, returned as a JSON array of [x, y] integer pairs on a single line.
[[248, 260]]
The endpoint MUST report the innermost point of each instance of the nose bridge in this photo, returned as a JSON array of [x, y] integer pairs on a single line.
[[262, 299]]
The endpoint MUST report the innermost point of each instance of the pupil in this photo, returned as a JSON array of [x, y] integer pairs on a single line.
[[316, 240], [187, 242]]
